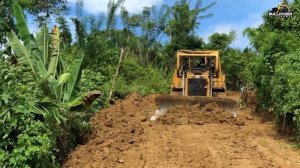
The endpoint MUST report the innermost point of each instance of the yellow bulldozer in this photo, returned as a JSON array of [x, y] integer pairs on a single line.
[[197, 79], [198, 73]]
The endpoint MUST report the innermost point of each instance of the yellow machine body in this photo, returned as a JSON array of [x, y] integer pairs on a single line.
[[198, 73]]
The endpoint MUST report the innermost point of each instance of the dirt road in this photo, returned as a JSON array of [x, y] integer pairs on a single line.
[[123, 136]]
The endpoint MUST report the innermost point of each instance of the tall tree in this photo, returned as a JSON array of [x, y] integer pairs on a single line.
[[153, 23], [147, 26], [111, 18], [111, 12], [46, 6], [65, 34], [220, 41], [183, 22], [80, 31]]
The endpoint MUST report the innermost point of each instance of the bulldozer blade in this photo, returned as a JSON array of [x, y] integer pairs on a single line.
[[168, 101]]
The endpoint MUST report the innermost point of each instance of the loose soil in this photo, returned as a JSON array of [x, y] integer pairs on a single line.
[[211, 113], [186, 136]]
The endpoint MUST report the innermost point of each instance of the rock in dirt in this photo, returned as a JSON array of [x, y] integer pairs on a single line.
[[240, 123], [121, 161], [249, 117], [143, 119]]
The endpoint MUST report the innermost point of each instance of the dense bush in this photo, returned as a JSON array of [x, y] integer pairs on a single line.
[[286, 89], [43, 112], [275, 70], [140, 79], [96, 80], [133, 77], [233, 63], [36, 130], [26, 141]]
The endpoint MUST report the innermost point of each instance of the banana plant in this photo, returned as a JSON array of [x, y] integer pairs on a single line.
[[42, 55]]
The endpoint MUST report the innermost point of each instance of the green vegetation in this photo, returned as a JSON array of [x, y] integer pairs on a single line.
[[274, 69], [39, 105], [52, 85]]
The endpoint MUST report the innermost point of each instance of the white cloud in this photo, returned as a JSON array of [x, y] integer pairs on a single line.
[[224, 28], [133, 6], [253, 20]]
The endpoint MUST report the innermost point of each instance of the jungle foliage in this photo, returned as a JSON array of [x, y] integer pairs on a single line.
[[42, 111], [275, 68], [50, 81]]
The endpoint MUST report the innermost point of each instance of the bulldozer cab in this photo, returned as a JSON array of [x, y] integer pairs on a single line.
[[196, 64], [199, 64], [197, 73]]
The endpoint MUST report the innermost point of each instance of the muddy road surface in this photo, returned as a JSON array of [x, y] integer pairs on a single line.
[[186, 136]]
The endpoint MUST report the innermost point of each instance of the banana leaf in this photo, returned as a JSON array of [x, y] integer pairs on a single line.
[[42, 39], [74, 70], [24, 32], [40, 67], [20, 50], [32, 44], [47, 109], [25, 56], [21, 22]]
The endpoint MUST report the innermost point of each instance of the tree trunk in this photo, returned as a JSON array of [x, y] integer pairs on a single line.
[[116, 75]]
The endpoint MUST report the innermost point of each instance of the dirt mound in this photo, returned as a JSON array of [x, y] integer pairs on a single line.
[[210, 113], [115, 130], [123, 137]]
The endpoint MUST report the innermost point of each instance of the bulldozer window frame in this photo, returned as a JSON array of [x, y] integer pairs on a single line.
[[196, 64]]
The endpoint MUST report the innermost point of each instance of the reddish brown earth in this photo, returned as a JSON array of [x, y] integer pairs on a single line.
[[211, 113], [185, 136]]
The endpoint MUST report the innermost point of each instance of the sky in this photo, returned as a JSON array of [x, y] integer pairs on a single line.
[[235, 15], [229, 15]]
